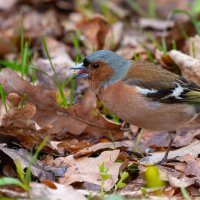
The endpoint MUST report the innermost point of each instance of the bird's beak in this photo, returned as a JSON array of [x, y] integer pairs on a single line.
[[82, 73]]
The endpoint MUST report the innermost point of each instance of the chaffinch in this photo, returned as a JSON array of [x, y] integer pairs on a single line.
[[141, 93]]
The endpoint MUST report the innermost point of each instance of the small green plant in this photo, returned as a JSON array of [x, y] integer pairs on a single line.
[[25, 178], [120, 184], [136, 56], [132, 168], [90, 197], [143, 190], [22, 102], [104, 175]]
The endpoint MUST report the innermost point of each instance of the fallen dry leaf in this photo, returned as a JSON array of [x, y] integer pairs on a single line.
[[189, 66], [114, 36], [6, 45], [117, 9], [38, 24], [156, 24], [192, 166], [8, 4], [180, 182], [85, 169], [38, 169], [192, 149], [176, 178], [48, 115], [183, 137], [41, 191], [106, 145], [95, 31]]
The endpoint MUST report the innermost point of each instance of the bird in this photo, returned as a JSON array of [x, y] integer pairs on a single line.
[[141, 93]]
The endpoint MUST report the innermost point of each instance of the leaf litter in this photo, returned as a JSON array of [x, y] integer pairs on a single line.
[[83, 136]]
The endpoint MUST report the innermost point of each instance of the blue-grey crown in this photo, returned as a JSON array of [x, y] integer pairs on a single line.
[[108, 57], [113, 60]]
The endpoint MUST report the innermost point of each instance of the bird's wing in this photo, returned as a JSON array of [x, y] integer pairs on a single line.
[[161, 85]]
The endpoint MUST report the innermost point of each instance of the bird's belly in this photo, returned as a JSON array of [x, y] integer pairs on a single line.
[[136, 109]]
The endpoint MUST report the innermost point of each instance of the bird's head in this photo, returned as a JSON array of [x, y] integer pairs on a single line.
[[102, 68]]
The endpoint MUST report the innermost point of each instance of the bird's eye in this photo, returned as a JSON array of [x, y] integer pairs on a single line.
[[95, 65], [86, 62]]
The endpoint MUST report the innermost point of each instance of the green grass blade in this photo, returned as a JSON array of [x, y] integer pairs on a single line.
[[192, 18], [193, 50], [76, 43], [36, 69], [10, 181], [152, 8], [137, 8], [72, 90], [153, 40], [148, 52], [21, 175], [11, 64], [174, 45], [185, 193], [170, 16], [7, 198], [21, 37], [3, 97], [24, 65], [59, 85], [79, 57], [33, 160]]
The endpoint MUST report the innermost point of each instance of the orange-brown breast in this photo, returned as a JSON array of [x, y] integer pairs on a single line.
[[126, 102]]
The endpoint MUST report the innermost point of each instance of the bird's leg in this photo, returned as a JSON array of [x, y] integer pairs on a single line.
[[172, 135], [138, 132], [138, 137], [126, 127]]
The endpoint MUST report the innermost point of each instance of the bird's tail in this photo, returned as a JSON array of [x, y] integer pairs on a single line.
[[192, 97]]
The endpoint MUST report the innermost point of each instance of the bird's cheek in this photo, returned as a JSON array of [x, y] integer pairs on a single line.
[[94, 81]]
